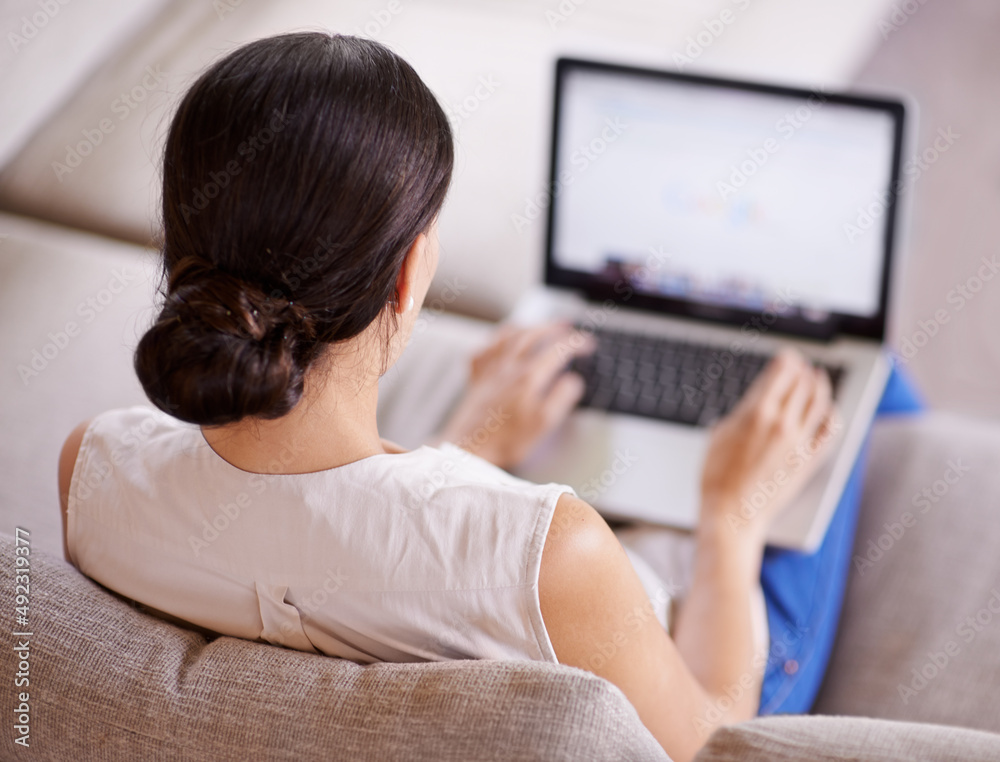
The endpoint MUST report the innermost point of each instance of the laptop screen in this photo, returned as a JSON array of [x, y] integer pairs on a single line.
[[720, 199]]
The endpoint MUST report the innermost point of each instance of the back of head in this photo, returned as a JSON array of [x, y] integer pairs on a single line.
[[298, 171]]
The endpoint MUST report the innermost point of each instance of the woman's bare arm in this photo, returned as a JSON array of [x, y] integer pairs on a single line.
[[599, 619], [789, 406], [597, 613]]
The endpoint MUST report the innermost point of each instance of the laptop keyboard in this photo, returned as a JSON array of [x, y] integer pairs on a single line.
[[668, 379]]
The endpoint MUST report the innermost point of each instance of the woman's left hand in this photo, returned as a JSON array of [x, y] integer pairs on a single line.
[[519, 390]]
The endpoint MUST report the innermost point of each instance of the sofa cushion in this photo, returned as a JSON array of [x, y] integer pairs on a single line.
[[919, 638], [825, 739], [50, 49], [110, 682], [73, 306], [490, 63]]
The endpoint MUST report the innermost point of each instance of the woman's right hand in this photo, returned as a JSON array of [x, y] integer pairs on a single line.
[[764, 451]]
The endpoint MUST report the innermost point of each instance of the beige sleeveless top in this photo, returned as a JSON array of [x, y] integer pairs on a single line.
[[427, 555]]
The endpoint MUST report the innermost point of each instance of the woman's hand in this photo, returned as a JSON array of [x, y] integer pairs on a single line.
[[763, 452], [519, 390]]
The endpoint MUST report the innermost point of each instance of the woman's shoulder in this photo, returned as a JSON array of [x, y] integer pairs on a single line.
[[466, 465], [123, 428], [449, 476], [67, 463], [124, 424], [138, 418]]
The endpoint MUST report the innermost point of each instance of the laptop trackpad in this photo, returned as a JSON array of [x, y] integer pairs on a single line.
[[628, 467]]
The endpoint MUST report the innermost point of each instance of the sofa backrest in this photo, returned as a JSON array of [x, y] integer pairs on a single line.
[[108, 681]]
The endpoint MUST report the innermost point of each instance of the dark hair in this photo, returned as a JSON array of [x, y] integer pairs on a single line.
[[297, 173]]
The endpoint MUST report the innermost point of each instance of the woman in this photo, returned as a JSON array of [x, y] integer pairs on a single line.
[[303, 176]]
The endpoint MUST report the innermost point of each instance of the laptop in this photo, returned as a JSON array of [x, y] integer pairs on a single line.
[[696, 225]]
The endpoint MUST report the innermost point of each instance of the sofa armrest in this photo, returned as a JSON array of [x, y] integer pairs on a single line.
[[112, 683], [825, 739], [919, 638]]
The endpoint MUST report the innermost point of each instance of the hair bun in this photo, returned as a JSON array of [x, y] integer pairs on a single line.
[[222, 349]]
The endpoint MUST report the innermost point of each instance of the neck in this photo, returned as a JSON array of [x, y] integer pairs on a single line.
[[333, 424]]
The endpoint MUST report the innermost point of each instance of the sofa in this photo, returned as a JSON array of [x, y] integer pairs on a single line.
[[95, 85], [916, 665], [108, 681]]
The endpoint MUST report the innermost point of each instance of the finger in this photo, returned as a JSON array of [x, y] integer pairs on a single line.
[[827, 430], [793, 406], [501, 343], [544, 367], [533, 339], [756, 389], [502, 337], [562, 398], [772, 385], [819, 405], [505, 331], [519, 344], [817, 444], [585, 341]]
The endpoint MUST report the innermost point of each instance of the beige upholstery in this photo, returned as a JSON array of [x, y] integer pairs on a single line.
[[111, 683], [51, 277], [124, 682], [904, 608], [834, 739], [490, 62], [50, 47]]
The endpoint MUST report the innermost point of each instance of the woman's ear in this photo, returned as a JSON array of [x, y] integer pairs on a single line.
[[407, 282]]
